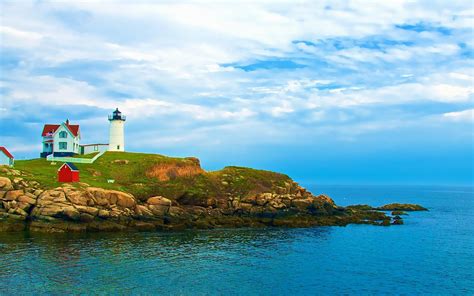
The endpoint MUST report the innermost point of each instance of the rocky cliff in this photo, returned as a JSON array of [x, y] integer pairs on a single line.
[[27, 204]]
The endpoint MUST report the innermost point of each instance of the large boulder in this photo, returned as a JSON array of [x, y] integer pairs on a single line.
[[82, 198], [126, 200], [100, 195], [5, 183], [52, 210], [105, 197]]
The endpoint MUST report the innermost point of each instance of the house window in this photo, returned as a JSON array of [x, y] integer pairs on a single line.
[[62, 145], [63, 134]]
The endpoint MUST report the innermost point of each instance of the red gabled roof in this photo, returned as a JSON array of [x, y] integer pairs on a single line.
[[74, 129], [51, 128], [5, 151]]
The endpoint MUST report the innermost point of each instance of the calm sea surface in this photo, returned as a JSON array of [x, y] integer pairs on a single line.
[[433, 253]]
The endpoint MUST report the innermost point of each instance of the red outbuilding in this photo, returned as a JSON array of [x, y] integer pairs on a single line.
[[68, 172]]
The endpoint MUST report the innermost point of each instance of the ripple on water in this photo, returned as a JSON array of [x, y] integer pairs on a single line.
[[430, 254]]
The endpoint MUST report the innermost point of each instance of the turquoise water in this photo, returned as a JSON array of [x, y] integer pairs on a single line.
[[433, 253]]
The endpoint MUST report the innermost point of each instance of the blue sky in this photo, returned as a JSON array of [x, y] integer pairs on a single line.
[[326, 91]]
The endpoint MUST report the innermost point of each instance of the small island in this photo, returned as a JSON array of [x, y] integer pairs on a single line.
[[155, 192]]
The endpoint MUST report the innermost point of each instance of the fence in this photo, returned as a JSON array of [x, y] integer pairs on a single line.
[[74, 159]]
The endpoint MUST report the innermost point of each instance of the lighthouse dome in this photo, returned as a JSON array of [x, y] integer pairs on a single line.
[[117, 115]]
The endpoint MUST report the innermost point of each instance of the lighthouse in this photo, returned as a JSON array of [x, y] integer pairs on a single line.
[[116, 134]]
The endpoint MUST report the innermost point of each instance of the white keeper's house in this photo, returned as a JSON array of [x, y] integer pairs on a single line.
[[63, 140]]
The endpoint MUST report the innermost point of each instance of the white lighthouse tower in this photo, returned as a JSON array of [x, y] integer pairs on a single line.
[[116, 134]]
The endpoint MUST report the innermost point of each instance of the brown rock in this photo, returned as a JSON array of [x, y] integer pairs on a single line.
[[325, 198], [20, 212], [9, 204], [89, 210], [103, 214], [23, 205], [176, 212], [110, 197], [79, 197], [263, 198], [159, 210], [277, 204], [56, 193], [51, 210], [159, 200], [143, 211], [13, 194], [72, 213], [5, 183], [37, 192], [301, 204], [27, 199], [99, 195], [126, 200], [50, 196]]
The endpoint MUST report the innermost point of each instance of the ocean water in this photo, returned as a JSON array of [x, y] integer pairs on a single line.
[[433, 253]]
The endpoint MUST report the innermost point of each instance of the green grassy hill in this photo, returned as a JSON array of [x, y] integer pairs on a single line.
[[146, 175]]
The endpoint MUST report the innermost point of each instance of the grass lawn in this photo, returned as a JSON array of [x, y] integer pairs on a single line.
[[132, 176]]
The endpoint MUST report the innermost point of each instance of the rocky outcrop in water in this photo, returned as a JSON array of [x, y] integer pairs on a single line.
[[25, 205]]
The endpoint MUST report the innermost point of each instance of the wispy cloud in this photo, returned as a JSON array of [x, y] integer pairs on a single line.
[[191, 71], [464, 115]]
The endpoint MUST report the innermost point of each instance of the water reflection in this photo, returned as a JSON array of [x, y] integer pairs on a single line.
[[56, 263]]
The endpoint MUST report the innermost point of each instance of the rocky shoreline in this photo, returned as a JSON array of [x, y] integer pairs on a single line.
[[25, 205]]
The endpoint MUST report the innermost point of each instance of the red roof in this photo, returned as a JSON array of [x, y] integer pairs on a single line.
[[5, 151], [51, 128]]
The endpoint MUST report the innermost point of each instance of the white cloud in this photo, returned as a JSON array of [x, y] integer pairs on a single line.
[[465, 115], [167, 60]]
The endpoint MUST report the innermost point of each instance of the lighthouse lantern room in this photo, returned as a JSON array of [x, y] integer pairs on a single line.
[[116, 134]]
